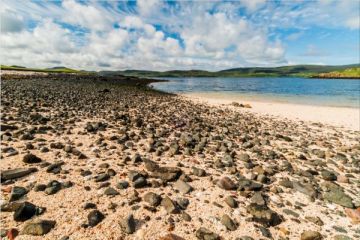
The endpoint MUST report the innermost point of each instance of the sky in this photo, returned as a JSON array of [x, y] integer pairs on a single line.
[[166, 35]]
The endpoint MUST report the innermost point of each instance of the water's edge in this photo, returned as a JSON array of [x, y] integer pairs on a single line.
[[333, 93]]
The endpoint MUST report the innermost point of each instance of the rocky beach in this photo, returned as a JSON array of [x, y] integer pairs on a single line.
[[90, 157]]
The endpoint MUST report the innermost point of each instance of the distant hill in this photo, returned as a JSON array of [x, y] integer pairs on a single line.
[[48, 70], [347, 73], [321, 71], [283, 71]]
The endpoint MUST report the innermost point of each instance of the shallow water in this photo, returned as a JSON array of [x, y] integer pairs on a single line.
[[326, 92]]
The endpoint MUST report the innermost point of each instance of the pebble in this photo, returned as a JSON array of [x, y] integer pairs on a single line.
[[226, 183], [95, 217], [152, 199], [38, 227], [310, 235], [128, 224], [182, 186], [228, 223], [31, 158]]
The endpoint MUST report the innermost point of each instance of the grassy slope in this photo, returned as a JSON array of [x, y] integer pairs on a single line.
[[293, 71], [347, 73], [48, 70]]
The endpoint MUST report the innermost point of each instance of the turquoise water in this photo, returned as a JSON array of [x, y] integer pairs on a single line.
[[327, 92]]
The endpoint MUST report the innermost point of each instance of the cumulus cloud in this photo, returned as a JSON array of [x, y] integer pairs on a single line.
[[87, 16], [157, 35], [11, 22], [148, 7]]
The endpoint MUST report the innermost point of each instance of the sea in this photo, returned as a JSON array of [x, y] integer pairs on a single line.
[[309, 91]]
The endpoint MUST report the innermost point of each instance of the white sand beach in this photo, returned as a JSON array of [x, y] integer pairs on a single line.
[[343, 117]]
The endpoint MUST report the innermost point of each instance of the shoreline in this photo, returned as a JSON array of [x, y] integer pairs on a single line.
[[101, 156], [340, 117]]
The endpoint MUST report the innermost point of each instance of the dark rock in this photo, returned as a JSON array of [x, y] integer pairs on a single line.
[[89, 205], [264, 215], [167, 174], [306, 189], [152, 199], [228, 223], [133, 175], [16, 173], [198, 172], [291, 212], [265, 232], [95, 217], [122, 184], [55, 167], [39, 187], [102, 177], [226, 183], [24, 212], [52, 187], [111, 192], [17, 193], [140, 182], [31, 158], [249, 185], [169, 205], [57, 145], [183, 202], [328, 176], [205, 234]]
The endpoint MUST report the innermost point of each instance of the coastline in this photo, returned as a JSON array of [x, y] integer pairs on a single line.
[[124, 151], [340, 117]]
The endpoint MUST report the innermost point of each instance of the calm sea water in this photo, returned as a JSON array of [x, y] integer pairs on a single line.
[[327, 92]]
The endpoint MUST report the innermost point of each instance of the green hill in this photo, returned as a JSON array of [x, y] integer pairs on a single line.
[[47, 70], [347, 73], [283, 71]]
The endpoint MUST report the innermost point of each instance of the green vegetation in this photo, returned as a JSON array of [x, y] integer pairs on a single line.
[[347, 73], [284, 71], [311, 71], [47, 70]]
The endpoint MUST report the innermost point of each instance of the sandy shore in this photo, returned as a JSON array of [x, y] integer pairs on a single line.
[[347, 118]]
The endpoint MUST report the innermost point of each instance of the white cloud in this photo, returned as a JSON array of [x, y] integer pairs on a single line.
[[108, 44], [148, 7], [11, 22], [87, 16], [353, 23], [156, 35], [48, 42], [253, 5]]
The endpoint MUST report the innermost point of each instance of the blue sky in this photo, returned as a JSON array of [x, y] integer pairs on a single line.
[[163, 35]]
